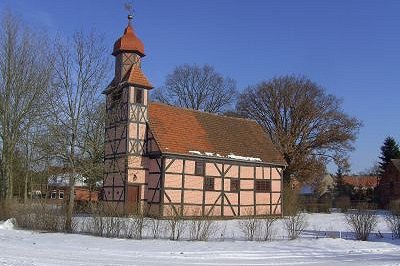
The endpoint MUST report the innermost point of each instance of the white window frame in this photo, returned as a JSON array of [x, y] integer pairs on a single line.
[[53, 194]]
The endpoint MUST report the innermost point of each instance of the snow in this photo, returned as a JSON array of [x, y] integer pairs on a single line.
[[237, 157], [63, 180], [7, 225], [230, 156], [20, 247]]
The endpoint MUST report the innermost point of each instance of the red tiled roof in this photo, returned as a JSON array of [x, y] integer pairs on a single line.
[[135, 76], [179, 130], [361, 181], [129, 42]]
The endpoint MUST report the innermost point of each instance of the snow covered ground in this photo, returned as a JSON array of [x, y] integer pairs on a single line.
[[19, 247]]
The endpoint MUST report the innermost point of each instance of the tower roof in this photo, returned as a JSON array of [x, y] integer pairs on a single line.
[[129, 42]]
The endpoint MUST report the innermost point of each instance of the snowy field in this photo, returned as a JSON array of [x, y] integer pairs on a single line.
[[19, 247]]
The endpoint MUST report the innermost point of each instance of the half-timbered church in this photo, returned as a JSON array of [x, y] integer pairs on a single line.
[[167, 160]]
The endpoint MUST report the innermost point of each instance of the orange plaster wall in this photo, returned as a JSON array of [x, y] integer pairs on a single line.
[[262, 198], [173, 180], [175, 196], [195, 197], [276, 186], [246, 197], [211, 169], [233, 171], [246, 172], [175, 167], [275, 174], [233, 197]]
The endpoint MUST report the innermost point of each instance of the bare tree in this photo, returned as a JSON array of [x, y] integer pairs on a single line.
[[25, 74], [80, 72], [308, 126], [92, 144], [199, 88]]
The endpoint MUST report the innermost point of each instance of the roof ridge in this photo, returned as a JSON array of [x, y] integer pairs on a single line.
[[204, 112]]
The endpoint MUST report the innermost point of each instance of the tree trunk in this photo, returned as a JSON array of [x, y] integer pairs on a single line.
[[26, 187], [70, 203], [71, 198]]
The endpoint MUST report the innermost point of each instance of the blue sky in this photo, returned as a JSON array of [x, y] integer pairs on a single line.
[[352, 48]]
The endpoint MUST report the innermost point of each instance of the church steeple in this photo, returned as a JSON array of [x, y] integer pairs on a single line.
[[129, 50], [129, 42], [126, 124]]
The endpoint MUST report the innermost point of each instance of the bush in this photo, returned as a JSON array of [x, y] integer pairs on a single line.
[[6, 209], [201, 227], [295, 225], [267, 228], [393, 219], [249, 225], [362, 222], [105, 221], [134, 226], [176, 225], [156, 226], [40, 216]]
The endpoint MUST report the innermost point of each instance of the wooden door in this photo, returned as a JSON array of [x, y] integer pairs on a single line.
[[132, 199]]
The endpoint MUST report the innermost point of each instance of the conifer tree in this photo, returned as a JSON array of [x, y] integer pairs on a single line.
[[389, 150]]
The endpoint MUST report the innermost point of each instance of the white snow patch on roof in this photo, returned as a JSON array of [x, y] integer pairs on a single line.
[[62, 180], [230, 156], [195, 152], [245, 158]]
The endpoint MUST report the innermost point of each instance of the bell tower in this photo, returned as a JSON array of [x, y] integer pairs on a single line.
[[125, 166]]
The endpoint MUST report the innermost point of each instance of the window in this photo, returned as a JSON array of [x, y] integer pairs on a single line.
[[61, 194], [209, 184], [139, 96], [235, 185], [199, 168], [53, 194], [263, 186]]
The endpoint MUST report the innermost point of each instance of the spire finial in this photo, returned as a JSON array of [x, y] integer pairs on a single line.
[[129, 8]]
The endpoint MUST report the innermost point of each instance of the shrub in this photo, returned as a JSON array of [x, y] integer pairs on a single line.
[[361, 221], [105, 221], [201, 227], [156, 226], [295, 225], [40, 216], [267, 228], [176, 225], [134, 226], [249, 225], [393, 219]]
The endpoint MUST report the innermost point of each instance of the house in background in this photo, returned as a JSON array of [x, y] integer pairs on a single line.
[[316, 196], [58, 189], [389, 184], [167, 161], [54, 187], [363, 187]]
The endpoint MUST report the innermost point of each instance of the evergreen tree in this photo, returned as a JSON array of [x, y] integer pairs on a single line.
[[389, 150], [342, 188]]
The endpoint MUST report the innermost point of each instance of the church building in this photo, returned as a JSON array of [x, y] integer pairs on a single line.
[[165, 160]]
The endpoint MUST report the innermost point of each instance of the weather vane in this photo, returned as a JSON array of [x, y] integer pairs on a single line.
[[129, 8]]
